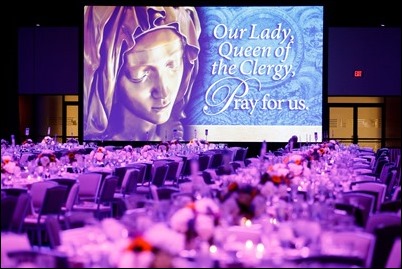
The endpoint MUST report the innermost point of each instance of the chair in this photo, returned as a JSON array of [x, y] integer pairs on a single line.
[[102, 205], [391, 181], [158, 180], [51, 206], [391, 206], [216, 160], [38, 191], [354, 211], [372, 187], [68, 182], [328, 261], [8, 204], [120, 172], [165, 192], [396, 195], [129, 184], [145, 172], [22, 208], [180, 169], [384, 171], [38, 258], [52, 227], [209, 176], [394, 258], [227, 169], [356, 244], [171, 177], [90, 184], [386, 227], [385, 237], [240, 156], [13, 191], [203, 162], [364, 201], [381, 161], [181, 159], [159, 175], [381, 219], [72, 198]]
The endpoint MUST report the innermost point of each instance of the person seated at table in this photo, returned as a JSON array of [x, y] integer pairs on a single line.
[[291, 143]]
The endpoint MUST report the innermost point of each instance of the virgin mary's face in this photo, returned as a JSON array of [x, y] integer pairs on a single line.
[[151, 75]]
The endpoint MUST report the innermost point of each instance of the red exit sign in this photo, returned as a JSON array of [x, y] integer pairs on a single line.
[[358, 73]]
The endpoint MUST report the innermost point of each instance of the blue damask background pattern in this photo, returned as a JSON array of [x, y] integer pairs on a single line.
[[235, 86]]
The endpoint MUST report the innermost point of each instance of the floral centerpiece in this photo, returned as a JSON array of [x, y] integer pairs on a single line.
[[175, 146], [148, 153], [8, 168], [47, 141], [28, 143], [284, 179], [197, 219], [319, 150], [44, 160], [46, 157], [8, 165], [194, 143], [197, 143], [149, 249], [99, 156], [72, 155], [242, 201], [163, 146], [293, 168], [128, 148], [127, 153]]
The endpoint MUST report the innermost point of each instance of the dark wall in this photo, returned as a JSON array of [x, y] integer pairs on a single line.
[[48, 60], [376, 51]]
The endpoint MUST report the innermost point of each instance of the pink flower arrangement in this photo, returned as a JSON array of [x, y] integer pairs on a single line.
[[47, 140], [46, 157], [154, 248], [287, 172], [99, 155], [8, 166], [196, 219], [242, 201]]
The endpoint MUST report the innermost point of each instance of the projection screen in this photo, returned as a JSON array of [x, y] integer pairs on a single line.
[[224, 73]]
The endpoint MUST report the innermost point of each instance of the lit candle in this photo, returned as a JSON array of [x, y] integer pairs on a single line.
[[260, 251], [249, 244], [213, 250]]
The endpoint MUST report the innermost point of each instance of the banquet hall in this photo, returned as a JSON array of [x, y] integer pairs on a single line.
[[205, 136]]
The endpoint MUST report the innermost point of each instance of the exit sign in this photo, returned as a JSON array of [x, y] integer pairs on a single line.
[[358, 73]]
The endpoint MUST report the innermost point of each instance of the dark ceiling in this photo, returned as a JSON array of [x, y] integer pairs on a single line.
[[353, 13]]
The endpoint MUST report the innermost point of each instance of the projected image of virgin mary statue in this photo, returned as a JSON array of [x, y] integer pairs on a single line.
[[140, 64]]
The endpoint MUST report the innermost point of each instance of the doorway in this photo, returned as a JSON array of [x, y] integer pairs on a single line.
[[70, 117], [357, 123]]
